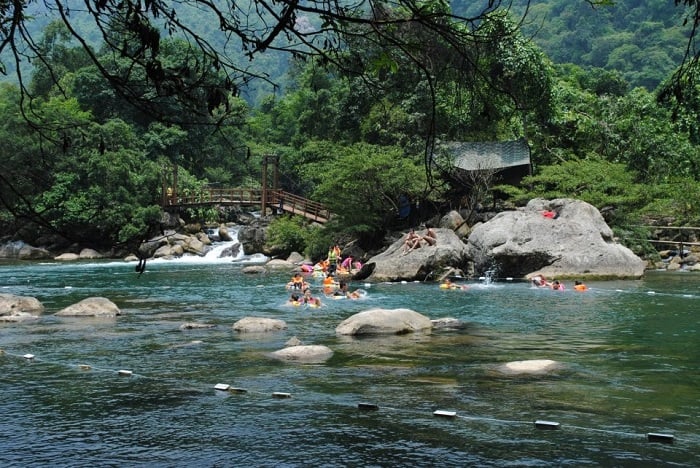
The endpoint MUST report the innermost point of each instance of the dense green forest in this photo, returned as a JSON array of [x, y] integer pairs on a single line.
[[87, 161], [641, 40]]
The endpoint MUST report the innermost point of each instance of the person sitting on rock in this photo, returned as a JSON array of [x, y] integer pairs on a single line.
[[430, 237], [412, 242]]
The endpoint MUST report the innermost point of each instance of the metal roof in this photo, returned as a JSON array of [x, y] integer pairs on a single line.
[[475, 156]]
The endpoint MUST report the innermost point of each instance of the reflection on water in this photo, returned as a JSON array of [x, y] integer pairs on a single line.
[[628, 354]]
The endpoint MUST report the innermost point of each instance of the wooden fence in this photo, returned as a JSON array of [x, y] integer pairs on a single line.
[[271, 198]]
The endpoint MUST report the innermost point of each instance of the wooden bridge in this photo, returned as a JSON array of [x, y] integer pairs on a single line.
[[273, 198]]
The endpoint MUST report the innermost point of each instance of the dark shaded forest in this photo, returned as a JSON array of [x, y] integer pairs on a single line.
[[89, 135]]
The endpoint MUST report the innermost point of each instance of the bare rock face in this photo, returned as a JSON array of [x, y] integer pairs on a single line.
[[259, 325], [279, 264], [253, 237], [67, 257], [575, 242], [254, 270], [427, 261], [19, 308], [384, 322], [90, 254], [91, 307], [22, 251], [224, 235]]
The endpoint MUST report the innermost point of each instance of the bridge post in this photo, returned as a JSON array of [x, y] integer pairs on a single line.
[[274, 159], [263, 200], [169, 186]]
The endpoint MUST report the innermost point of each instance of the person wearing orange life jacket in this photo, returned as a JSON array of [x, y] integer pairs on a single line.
[[297, 282], [579, 286], [329, 283]]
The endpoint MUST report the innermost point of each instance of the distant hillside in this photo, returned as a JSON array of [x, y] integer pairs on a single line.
[[642, 39], [273, 64]]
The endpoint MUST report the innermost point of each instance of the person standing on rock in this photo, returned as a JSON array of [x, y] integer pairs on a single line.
[[333, 258]]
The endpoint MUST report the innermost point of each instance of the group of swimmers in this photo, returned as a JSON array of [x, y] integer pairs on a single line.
[[334, 265], [331, 289], [541, 282]]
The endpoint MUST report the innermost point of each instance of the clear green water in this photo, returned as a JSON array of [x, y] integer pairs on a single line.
[[629, 350]]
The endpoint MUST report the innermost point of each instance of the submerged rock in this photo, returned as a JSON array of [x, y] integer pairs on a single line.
[[259, 325], [448, 323], [304, 353], [533, 366], [196, 326]]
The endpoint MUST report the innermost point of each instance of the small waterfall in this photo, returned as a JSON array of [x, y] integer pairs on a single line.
[[490, 275], [219, 251]]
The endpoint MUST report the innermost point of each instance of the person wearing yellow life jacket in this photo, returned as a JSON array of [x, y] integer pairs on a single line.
[[447, 284], [333, 258]]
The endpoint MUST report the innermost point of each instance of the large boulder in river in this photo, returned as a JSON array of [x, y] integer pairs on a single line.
[[18, 308], [428, 261], [384, 322], [91, 307], [574, 243]]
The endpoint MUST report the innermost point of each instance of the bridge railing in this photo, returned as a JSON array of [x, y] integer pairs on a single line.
[[276, 199], [298, 205], [209, 196]]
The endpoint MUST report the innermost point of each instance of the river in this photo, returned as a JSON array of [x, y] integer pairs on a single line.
[[628, 350]]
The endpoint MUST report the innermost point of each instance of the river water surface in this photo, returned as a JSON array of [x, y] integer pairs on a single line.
[[629, 350]]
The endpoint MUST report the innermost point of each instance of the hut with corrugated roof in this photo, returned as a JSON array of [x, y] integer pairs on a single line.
[[507, 161]]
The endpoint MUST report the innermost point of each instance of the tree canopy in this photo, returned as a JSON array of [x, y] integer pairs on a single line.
[[371, 88]]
